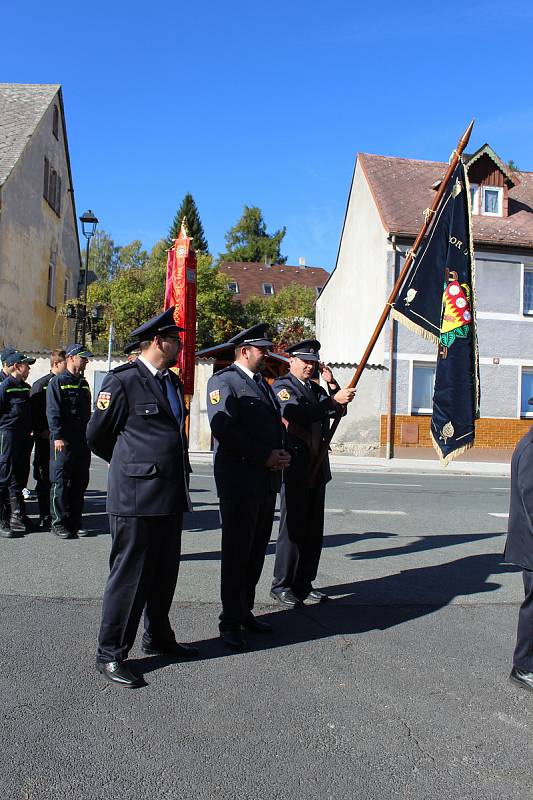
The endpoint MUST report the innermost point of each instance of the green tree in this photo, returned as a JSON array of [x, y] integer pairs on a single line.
[[131, 296], [130, 255], [102, 255], [248, 240], [218, 315], [189, 210], [290, 314]]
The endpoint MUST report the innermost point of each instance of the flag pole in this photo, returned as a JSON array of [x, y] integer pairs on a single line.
[[463, 142]]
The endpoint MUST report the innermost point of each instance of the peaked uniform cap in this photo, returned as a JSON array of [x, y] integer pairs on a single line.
[[78, 350], [255, 336], [163, 323], [307, 350], [16, 357], [132, 347], [6, 352]]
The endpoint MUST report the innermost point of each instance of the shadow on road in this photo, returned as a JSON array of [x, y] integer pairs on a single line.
[[362, 606]]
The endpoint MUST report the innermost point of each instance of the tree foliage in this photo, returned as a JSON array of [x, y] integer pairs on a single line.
[[189, 210], [218, 315], [133, 294], [290, 314], [248, 240]]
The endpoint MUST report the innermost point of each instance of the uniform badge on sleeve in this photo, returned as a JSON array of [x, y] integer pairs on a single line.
[[284, 395], [103, 400], [214, 397]]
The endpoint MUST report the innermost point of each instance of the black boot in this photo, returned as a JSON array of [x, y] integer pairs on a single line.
[[17, 523]]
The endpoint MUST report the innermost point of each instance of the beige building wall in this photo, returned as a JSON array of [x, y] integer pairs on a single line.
[[31, 235], [347, 312]]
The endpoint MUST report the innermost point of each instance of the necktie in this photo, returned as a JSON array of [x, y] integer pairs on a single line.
[[172, 397], [258, 378]]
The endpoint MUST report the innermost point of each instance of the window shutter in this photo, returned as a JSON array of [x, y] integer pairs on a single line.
[[57, 205], [46, 173]]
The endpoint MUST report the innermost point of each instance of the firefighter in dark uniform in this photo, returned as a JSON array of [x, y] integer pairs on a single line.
[[519, 550], [15, 443], [249, 457], [139, 427], [41, 435], [68, 409], [307, 409], [5, 372]]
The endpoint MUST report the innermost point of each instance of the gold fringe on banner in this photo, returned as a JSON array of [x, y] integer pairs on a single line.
[[445, 460], [412, 326]]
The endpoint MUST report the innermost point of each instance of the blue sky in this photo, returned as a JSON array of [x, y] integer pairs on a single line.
[[267, 104]]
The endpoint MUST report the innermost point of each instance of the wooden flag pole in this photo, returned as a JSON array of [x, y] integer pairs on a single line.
[[463, 141]]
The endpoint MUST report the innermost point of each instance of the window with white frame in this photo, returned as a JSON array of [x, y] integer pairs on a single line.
[[318, 290], [527, 295], [526, 392], [492, 201], [422, 387], [474, 197], [268, 288], [233, 286]]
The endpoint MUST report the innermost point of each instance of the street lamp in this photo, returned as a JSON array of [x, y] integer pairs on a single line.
[[88, 226]]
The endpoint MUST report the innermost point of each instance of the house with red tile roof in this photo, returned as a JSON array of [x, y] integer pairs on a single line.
[[248, 279], [384, 213]]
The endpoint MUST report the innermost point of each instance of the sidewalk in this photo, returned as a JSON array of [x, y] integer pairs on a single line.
[[480, 461]]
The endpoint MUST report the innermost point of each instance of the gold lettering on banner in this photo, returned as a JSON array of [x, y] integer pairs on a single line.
[[459, 244]]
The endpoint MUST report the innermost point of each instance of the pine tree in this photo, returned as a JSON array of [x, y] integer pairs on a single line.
[[248, 240], [195, 228]]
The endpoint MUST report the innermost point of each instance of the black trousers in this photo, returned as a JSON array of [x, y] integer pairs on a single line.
[[523, 654], [69, 477], [246, 530], [15, 456], [144, 564], [41, 474], [301, 531]]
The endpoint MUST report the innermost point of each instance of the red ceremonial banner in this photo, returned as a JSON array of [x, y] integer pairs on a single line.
[[180, 291]]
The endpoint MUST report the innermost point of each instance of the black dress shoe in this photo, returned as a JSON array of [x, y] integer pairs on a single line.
[[254, 624], [171, 649], [117, 672], [63, 533], [235, 639], [314, 594], [287, 598], [523, 678], [7, 533]]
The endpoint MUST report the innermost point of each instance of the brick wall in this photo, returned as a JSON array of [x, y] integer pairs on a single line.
[[490, 432]]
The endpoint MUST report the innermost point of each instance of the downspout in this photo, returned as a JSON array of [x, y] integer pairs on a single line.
[[389, 447]]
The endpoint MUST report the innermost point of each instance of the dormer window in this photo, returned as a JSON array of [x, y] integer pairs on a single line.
[[486, 200], [233, 286], [492, 201], [268, 289]]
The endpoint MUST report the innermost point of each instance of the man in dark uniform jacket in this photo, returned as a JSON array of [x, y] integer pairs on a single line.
[[68, 409], [15, 443], [307, 409], [138, 426], [519, 550], [41, 435], [5, 508], [249, 456]]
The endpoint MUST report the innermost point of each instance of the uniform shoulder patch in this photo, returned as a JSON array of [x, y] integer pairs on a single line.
[[284, 395], [214, 397], [103, 400]]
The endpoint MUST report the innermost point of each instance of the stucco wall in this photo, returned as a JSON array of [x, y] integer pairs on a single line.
[[352, 300], [29, 231]]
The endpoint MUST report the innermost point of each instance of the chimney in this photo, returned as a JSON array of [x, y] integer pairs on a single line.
[[301, 261], [268, 262]]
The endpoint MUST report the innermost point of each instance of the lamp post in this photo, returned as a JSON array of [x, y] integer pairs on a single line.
[[88, 225]]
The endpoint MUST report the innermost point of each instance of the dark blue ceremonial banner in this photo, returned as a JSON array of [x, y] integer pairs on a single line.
[[437, 301]]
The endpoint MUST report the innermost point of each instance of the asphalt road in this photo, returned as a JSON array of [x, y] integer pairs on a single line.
[[397, 687]]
